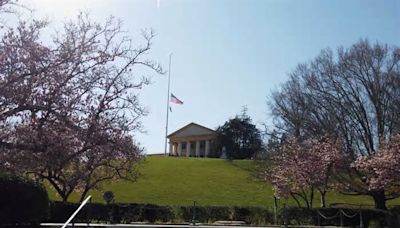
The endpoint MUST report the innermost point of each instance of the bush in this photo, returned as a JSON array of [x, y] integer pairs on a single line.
[[370, 217], [115, 213], [22, 201], [158, 213], [108, 197], [295, 216], [205, 214], [128, 213], [254, 215]]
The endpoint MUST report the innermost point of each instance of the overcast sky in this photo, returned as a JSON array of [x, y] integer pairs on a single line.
[[230, 53]]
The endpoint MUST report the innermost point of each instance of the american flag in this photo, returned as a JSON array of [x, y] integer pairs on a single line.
[[175, 99]]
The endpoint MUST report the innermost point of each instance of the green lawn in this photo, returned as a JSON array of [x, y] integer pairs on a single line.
[[180, 181]]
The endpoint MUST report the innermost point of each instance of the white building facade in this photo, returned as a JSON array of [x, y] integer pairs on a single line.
[[192, 140]]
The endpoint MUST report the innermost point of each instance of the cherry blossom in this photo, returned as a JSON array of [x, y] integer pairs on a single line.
[[302, 167]]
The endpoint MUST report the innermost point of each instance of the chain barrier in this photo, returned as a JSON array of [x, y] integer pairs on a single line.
[[349, 216], [340, 214], [328, 218]]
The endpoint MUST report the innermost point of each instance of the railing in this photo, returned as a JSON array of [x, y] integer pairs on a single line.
[[340, 214], [76, 212]]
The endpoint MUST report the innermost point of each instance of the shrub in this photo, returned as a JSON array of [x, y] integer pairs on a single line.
[[185, 213], [22, 201], [60, 212], [295, 216], [305, 216], [253, 215], [127, 213], [154, 213], [108, 197], [115, 213], [205, 214], [369, 216]]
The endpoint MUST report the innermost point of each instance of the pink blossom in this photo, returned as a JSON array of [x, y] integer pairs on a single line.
[[381, 170], [302, 166]]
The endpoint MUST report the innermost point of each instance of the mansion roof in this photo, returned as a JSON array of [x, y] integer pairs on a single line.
[[192, 129]]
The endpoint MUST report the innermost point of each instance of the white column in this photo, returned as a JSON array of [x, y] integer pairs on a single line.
[[179, 149], [187, 148], [171, 148], [197, 148], [207, 148]]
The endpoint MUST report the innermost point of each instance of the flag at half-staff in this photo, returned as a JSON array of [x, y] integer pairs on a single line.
[[175, 100]]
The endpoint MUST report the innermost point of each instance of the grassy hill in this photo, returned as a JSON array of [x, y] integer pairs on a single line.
[[180, 181]]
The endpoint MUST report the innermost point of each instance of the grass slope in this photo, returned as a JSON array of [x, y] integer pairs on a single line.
[[180, 181]]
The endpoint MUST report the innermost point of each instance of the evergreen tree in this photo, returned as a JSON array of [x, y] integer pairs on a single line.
[[240, 137]]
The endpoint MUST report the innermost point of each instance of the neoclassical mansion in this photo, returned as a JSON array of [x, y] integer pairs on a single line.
[[192, 140]]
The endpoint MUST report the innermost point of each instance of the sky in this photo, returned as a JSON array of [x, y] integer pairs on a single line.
[[227, 54]]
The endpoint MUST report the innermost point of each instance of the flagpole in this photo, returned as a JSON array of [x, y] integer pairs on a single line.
[[168, 97]]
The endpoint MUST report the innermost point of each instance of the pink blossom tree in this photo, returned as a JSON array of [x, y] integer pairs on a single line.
[[382, 170], [301, 168], [69, 108], [352, 94]]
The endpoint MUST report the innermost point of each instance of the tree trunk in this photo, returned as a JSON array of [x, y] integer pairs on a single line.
[[295, 199], [311, 198], [64, 197], [323, 194], [83, 195], [379, 200]]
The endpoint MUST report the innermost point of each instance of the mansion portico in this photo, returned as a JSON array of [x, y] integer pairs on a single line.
[[192, 140]]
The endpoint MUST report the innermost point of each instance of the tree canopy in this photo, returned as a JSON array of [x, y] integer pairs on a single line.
[[351, 95], [298, 169], [69, 107], [240, 137]]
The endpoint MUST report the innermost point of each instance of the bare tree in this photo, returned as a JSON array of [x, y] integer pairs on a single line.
[[354, 96]]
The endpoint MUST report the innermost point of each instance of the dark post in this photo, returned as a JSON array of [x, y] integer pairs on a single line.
[[285, 223], [112, 212], [361, 220], [275, 210], [194, 213], [341, 218]]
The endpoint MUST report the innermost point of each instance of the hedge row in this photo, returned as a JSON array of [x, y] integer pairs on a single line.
[[315, 216], [23, 202], [128, 213], [115, 213]]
